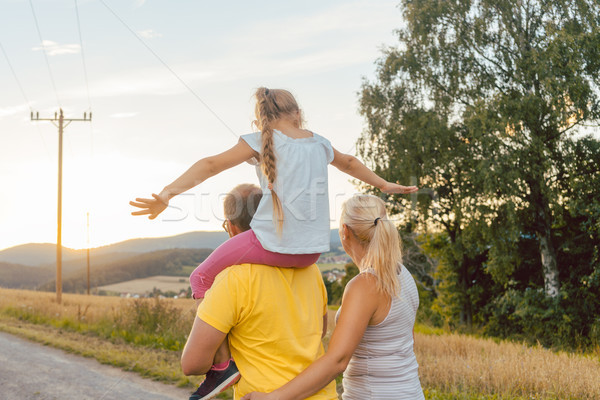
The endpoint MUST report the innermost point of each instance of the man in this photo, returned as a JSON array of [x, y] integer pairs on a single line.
[[274, 319]]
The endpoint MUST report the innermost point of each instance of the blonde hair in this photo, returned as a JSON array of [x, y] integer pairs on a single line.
[[380, 239], [271, 105]]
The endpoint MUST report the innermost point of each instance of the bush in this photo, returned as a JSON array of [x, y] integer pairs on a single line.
[[562, 322], [152, 323]]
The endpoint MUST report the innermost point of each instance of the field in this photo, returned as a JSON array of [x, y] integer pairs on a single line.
[[328, 267], [147, 335], [146, 285]]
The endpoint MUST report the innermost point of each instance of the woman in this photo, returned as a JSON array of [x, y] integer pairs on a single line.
[[373, 339]]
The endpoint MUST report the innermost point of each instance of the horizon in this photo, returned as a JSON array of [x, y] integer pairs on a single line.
[[120, 241]]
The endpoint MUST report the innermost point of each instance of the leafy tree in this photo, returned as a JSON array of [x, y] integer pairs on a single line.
[[351, 271], [479, 102]]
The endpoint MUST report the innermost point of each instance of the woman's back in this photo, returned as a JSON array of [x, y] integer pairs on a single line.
[[383, 365]]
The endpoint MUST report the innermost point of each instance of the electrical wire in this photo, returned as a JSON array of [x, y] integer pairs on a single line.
[[45, 53], [168, 67], [14, 74], [87, 85], [85, 74]]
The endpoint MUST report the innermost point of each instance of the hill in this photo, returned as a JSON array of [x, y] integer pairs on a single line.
[[37, 254], [44, 254], [34, 264], [162, 262], [17, 276], [80, 264]]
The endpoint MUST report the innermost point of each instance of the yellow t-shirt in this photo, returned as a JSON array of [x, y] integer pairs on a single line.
[[274, 320]]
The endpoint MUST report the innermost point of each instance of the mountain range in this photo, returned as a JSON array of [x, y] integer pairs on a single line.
[[33, 265]]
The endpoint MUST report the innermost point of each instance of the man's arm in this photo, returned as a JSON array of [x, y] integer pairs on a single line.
[[359, 303], [200, 348]]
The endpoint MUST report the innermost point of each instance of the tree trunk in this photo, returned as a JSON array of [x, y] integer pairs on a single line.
[[542, 225], [466, 311], [549, 264]]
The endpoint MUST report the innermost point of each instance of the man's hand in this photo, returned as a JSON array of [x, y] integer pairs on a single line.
[[151, 207], [390, 187]]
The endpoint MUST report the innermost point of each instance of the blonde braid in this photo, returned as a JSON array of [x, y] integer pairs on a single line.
[[267, 111]]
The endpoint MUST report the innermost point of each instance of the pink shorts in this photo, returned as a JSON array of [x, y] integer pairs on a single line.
[[243, 248]]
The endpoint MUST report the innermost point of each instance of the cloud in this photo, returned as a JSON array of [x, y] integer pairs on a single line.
[[338, 26], [55, 49], [8, 111], [152, 81], [335, 38], [149, 34], [139, 3], [124, 115]]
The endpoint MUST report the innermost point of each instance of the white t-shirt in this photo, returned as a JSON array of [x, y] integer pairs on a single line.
[[302, 188]]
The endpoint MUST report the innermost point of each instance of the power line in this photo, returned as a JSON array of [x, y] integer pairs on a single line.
[[87, 85], [14, 74], [168, 67], [44, 51], [91, 158]]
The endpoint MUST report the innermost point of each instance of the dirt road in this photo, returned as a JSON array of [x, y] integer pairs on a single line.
[[32, 371]]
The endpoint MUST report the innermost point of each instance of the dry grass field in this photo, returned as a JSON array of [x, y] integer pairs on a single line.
[[452, 366], [146, 285], [454, 363], [77, 306]]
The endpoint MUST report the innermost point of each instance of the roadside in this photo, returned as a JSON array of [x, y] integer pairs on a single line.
[[159, 367], [32, 371]]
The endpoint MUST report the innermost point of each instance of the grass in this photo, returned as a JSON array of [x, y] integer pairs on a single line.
[[147, 335], [147, 285], [460, 366]]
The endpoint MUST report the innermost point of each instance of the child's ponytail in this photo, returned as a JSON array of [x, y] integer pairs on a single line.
[[272, 104], [367, 219]]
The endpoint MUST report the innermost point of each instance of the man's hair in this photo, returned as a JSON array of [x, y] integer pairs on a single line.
[[240, 204]]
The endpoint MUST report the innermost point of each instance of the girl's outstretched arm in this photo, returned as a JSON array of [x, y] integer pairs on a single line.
[[353, 167], [196, 174]]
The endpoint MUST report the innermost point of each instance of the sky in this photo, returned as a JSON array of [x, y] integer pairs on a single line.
[[168, 82]]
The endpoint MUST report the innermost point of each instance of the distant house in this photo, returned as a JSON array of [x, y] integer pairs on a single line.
[[334, 275]]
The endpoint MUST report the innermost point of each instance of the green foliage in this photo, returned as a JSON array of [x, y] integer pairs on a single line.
[[533, 317], [351, 271], [335, 289], [152, 323], [479, 105]]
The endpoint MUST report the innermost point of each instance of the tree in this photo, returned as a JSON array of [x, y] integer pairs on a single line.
[[490, 93]]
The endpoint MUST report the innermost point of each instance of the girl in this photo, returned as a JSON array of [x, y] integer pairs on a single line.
[[291, 225], [373, 339]]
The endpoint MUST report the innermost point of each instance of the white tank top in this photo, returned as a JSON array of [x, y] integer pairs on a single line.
[[384, 366], [302, 188]]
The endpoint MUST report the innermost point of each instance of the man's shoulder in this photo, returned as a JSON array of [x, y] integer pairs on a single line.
[[262, 268], [247, 272]]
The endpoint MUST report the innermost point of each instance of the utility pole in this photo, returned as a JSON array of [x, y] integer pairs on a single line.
[[60, 122], [88, 253]]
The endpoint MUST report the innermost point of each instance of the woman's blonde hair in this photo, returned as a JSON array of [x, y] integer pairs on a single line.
[[271, 105], [366, 218]]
